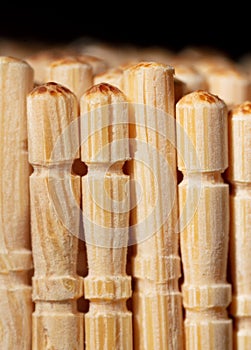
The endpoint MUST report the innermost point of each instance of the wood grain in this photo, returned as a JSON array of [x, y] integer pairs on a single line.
[[239, 177], [16, 80], [75, 73], [157, 304], [55, 194], [72, 72], [230, 83], [105, 191], [204, 220]]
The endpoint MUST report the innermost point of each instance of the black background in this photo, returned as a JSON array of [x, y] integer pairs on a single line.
[[167, 24]]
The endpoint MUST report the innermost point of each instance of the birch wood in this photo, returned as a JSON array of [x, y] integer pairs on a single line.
[[113, 76], [105, 189], [239, 177], [77, 75], [42, 58], [54, 223], [16, 80], [157, 304], [72, 72], [204, 225], [193, 79], [230, 83]]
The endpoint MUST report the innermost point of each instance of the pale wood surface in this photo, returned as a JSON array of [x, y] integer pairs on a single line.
[[204, 212], [42, 58], [239, 176], [231, 84], [16, 80], [191, 76], [113, 76], [75, 73], [54, 221], [105, 189], [157, 304], [72, 72]]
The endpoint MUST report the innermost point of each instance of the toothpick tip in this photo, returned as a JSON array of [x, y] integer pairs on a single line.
[[146, 65], [69, 60], [242, 109], [201, 97], [51, 88], [104, 89]]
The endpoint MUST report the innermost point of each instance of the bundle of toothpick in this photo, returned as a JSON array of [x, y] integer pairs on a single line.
[[125, 199]]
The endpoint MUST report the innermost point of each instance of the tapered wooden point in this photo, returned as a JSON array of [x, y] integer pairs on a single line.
[[204, 220], [52, 109], [201, 117], [105, 148], [104, 130], [139, 66], [16, 81], [155, 261], [72, 72], [105, 90], [159, 82], [239, 176], [55, 108]]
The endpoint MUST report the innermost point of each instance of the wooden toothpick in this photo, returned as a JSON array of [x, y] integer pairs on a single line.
[[204, 220], [55, 194], [71, 72], [188, 73], [157, 305], [16, 80], [42, 58], [230, 83], [105, 148], [239, 176], [112, 76], [77, 75]]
